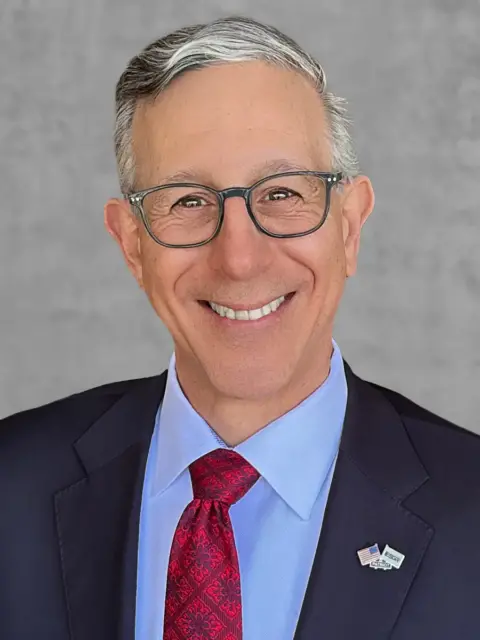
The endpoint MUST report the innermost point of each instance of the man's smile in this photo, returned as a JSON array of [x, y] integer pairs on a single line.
[[251, 313]]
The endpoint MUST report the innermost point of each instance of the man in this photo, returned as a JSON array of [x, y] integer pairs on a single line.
[[257, 489]]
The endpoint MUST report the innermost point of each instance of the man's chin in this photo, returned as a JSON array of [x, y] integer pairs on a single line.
[[251, 381]]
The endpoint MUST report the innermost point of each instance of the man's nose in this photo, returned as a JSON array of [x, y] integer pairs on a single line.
[[240, 249]]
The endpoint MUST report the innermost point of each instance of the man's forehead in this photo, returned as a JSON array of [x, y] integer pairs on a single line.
[[174, 142], [233, 108], [169, 159]]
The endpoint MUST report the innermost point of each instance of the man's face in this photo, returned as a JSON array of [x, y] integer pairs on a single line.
[[223, 124]]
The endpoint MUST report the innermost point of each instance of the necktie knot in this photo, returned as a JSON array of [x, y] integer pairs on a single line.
[[222, 475]]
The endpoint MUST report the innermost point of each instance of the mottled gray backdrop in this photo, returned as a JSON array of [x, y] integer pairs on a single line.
[[71, 315]]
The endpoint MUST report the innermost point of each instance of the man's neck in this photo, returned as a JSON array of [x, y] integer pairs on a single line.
[[236, 419]]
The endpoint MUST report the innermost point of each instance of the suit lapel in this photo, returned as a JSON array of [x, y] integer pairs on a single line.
[[97, 517], [377, 469]]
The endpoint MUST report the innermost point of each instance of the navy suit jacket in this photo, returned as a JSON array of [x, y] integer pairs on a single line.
[[71, 475]]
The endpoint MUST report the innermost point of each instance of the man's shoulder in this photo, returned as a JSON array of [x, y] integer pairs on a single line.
[[64, 419], [445, 448], [419, 418]]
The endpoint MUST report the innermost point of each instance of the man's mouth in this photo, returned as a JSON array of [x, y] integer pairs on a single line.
[[248, 312]]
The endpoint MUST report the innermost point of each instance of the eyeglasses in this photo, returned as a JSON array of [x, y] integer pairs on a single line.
[[284, 205]]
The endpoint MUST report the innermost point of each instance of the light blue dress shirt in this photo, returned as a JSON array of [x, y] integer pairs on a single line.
[[276, 524]]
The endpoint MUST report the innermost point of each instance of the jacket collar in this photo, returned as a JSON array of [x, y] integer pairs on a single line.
[[374, 438], [129, 421]]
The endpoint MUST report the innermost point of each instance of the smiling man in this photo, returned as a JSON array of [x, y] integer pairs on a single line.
[[258, 488]]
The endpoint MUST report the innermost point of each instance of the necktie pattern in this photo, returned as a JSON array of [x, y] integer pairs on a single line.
[[203, 596]]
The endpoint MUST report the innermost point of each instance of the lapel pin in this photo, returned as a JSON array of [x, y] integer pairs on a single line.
[[390, 559], [380, 563], [368, 555]]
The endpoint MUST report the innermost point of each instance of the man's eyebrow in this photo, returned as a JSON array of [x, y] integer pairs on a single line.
[[259, 171]]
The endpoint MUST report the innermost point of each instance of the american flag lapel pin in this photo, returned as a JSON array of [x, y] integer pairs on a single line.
[[368, 555]]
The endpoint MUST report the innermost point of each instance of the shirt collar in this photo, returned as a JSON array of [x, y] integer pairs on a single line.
[[294, 453]]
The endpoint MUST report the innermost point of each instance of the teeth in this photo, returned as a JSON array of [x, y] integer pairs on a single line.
[[253, 314]]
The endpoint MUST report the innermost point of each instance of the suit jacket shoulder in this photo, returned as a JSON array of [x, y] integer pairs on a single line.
[[450, 453], [37, 442], [75, 410]]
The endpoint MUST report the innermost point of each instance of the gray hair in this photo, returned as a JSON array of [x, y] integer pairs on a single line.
[[226, 40]]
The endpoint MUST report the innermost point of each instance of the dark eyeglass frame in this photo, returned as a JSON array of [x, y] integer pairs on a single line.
[[136, 200]]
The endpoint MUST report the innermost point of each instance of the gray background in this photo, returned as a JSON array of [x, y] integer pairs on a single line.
[[71, 315]]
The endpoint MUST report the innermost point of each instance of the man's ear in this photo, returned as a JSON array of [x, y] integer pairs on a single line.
[[357, 204], [124, 228]]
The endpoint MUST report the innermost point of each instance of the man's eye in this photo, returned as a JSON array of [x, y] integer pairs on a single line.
[[281, 194], [188, 201]]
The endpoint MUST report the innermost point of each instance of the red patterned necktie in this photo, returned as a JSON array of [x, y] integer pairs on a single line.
[[203, 596]]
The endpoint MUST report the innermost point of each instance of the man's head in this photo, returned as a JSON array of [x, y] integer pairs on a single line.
[[230, 103]]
